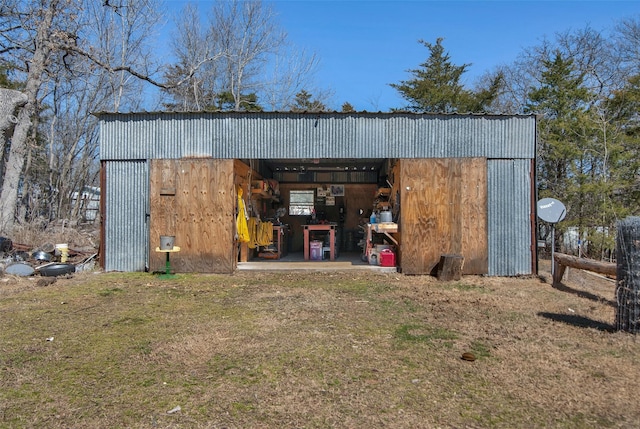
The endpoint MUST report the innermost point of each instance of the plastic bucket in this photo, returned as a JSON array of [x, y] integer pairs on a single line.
[[385, 216], [64, 251], [373, 257], [315, 250], [166, 242]]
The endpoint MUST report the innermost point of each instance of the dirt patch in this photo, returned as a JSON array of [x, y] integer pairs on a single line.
[[315, 350]]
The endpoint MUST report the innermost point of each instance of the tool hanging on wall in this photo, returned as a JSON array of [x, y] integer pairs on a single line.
[[241, 220], [265, 234], [253, 232]]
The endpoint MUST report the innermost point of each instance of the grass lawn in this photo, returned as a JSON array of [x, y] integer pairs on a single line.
[[313, 350]]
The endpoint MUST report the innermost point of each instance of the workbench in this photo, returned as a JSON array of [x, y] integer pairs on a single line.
[[386, 228], [331, 229]]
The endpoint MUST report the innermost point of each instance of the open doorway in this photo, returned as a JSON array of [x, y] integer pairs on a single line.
[[320, 209]]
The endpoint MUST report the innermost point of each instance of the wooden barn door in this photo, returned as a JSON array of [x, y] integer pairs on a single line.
[[443, 210], [193, 200]]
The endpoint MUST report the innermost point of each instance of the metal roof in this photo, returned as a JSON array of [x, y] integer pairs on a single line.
[[314, 135], [305, 112]]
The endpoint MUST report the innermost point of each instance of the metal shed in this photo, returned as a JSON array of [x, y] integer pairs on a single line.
[[465, 183]]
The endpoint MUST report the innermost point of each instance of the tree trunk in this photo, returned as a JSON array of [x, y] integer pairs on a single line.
[[9, 195], [10, 100], [37, 67]]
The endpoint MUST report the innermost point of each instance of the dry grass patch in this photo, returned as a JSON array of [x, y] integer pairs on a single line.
[[313, 350]]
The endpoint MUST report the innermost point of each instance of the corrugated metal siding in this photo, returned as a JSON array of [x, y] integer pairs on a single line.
[[126, 224], [509, 208], [307, 135]]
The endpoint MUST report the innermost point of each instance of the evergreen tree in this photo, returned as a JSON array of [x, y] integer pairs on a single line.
[[304, 102], [561, 100], [347, 107], [625, 156], [5, 78], [580, 154], [248, 102], [436, 86]]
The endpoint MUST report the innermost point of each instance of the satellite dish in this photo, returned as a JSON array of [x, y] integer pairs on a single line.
[[551, 210]]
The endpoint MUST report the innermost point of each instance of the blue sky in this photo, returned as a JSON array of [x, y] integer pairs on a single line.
[[364, 45]]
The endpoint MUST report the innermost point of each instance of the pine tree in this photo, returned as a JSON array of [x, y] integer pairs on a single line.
[[624, 106], [347, 107], [436, 86], [562, 102], [304, 102], [580, 155], [227, 102]]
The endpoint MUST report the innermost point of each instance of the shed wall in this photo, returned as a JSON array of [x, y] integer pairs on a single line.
[[125, 218], [194, 201], [510, 217], [443, 211]]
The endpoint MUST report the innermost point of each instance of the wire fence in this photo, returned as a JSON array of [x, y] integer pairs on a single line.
[[628, 275]]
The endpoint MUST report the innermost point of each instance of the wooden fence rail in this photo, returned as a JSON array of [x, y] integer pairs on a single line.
[[562, 261]]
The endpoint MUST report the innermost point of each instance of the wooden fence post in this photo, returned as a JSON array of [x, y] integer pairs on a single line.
[[628, 275], [561, 261]]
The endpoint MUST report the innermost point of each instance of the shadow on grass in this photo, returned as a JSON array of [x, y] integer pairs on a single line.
[[579, 321], [584, 294]]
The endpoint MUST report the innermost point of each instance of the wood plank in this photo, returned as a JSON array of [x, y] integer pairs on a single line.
[[162, 207], [418, 217], [443, 212], [200, 215], [474, 238], [444, 200]]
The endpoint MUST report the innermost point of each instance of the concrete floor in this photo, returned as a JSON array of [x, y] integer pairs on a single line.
[[296, 262]]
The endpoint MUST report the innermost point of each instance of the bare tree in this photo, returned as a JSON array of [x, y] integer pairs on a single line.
[[289, 71], [593, 56], [196, 71], [53, 45], [248, 35], [628, 43], [241, 60], [10, 101], [119, 32], [34, 32]]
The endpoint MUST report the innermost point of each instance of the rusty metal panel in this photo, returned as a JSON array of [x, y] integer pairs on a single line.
[[271, 135], [126, 204], [509, 214]]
